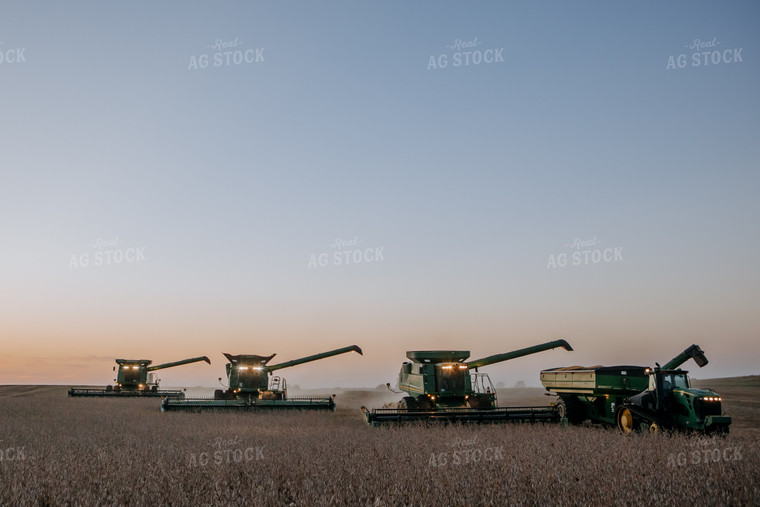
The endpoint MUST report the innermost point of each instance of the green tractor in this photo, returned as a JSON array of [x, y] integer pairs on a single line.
[[637, 397], [135, 377], [671, 403], [443, 385], [251, 385]]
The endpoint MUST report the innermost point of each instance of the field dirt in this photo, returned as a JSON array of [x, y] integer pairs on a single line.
[[91, 451]]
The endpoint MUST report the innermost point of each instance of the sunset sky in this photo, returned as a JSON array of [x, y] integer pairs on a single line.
[[151, 207]]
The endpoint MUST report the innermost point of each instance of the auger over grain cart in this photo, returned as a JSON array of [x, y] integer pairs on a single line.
[[251, 385], [134, 378], [637, 398], [443, 386]]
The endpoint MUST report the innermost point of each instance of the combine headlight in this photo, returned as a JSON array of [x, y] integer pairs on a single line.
[[259, 368], [462, 366], [135, 367], [242, 367], [447, 367]]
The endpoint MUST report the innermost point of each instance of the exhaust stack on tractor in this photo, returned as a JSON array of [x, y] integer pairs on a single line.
[[443, 385], [637, 397], [251, 385], [135, 377]]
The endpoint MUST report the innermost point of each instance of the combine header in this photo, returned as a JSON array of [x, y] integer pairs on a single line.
[[638, 398], [134, 378], [443, 386], [252, 386]]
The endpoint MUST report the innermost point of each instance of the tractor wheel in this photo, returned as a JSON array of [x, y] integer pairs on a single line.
[[571, 409], [625, 420]]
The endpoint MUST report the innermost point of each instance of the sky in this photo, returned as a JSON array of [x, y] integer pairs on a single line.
[[192, 178]]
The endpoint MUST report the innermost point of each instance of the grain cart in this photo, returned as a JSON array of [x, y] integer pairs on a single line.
[[251, 385], [443, 386], [637, 397], [135, 377]]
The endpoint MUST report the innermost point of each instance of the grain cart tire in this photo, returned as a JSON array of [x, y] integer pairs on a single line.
[[571, 409], [626, 422]]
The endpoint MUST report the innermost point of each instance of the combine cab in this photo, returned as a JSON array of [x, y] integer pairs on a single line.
[[637, 397], [252, 386], [443, 386], [135, 378]]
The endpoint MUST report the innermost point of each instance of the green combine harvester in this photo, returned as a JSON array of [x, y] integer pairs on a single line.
[[636, 398], [251, 386], [443, 386], [135, 378]]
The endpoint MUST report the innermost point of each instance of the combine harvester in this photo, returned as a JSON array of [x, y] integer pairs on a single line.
[[637, 398], [252, 386], [135, 378], [442, 386]]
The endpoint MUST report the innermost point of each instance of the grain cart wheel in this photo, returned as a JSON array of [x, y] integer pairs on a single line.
[[655, 428], [561, 409], [625, 420], [571, 409]]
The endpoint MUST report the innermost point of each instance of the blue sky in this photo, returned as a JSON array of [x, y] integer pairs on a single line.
[[469, 178]]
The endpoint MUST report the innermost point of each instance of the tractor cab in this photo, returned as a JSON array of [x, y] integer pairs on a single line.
[[663, 384], [669, 380]]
